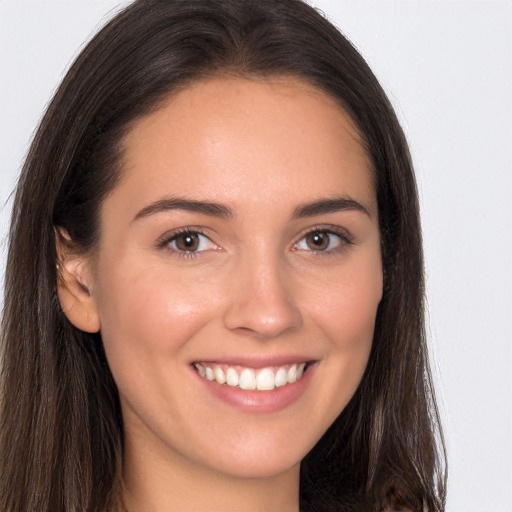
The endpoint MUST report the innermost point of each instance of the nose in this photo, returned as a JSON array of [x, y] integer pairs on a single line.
[[261, 300]]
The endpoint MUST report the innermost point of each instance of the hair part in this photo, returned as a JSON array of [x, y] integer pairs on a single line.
[[60, 411]]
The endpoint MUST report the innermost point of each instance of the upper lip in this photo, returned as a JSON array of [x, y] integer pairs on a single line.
[[257, 361]]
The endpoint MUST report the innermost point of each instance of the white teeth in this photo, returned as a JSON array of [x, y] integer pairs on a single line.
[[281, 378], [247, 379], [232, 377], [265, 380], [292, 373], [200, 369], [220, 376]]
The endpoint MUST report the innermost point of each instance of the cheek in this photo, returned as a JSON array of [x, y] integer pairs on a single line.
[[346, 305], [150, 312], [346, 311]]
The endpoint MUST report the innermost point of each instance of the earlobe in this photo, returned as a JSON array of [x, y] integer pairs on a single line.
[[73, 285]]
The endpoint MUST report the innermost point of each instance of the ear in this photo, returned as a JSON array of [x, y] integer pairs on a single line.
[[74, 284]]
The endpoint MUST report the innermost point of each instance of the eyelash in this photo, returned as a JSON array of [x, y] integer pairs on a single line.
[[166, 240], [344, 240]]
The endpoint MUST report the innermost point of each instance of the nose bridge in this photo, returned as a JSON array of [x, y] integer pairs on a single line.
[[261, 295]]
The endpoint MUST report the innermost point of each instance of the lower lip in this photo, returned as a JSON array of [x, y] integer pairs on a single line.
[[264, 402]]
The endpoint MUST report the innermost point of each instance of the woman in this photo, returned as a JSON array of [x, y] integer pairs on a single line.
[[215, 277]]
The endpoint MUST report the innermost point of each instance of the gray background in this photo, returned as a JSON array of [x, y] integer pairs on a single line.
[[447, 66]]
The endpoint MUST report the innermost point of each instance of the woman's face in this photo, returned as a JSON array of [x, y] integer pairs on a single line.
[[241, 243]]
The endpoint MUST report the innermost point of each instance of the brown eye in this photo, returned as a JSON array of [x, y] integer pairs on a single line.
[[320, 241], [186, 242], [190, 242]]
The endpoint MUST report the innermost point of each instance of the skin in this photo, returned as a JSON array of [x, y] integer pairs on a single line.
[[255, 288]]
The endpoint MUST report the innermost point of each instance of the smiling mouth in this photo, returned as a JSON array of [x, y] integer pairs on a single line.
[[260, 379]]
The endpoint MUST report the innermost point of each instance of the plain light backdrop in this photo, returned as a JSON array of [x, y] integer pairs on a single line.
[[447, 67]]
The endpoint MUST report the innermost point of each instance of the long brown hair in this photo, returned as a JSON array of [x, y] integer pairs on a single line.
[[61, 431]]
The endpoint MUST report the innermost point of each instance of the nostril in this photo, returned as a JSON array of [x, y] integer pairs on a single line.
[[262, 319]]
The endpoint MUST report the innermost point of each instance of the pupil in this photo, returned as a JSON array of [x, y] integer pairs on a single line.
[[187, 242], [318, 241]]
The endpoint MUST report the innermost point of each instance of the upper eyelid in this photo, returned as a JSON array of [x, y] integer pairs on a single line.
[[342, 232], [327, 228], [165, 241], [173, 233]]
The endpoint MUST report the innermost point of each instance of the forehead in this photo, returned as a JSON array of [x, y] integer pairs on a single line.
[[225, 137]]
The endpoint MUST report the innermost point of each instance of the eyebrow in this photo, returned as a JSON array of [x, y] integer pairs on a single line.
[[330, 205], [190, 205], [320, 207]]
